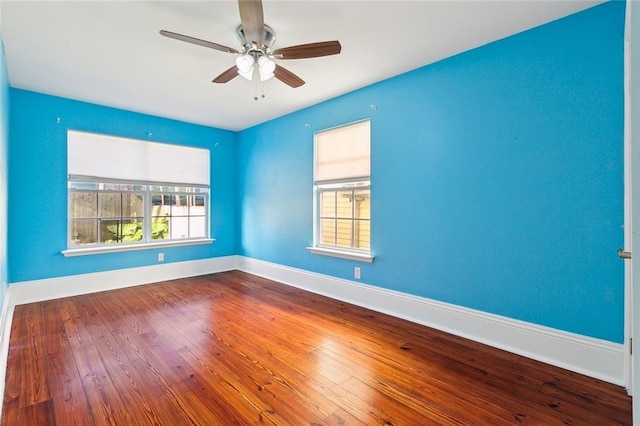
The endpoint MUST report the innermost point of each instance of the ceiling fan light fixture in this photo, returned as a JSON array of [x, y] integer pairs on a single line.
[[245, 64], [246, 74], [256, 55], [266, 65], [265, 77]]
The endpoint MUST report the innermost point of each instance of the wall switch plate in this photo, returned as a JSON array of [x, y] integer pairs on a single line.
[[160, 257], [356, 272]]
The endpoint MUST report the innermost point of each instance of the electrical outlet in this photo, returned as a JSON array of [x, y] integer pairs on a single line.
[[160, 257], [356, 272]]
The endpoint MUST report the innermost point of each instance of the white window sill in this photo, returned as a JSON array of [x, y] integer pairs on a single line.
[[351, 255], [85, 251]]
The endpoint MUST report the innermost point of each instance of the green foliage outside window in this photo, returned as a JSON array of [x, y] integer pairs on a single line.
[[132, 232]]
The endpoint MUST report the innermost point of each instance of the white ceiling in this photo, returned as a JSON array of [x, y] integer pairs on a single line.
[[110, 53]]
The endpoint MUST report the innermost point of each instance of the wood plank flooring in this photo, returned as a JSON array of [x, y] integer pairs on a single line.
[[232, 348]]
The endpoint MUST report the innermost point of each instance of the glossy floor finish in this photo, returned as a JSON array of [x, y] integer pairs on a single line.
[[232, 348]]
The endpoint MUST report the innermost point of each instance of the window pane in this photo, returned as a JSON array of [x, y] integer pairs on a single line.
[[120, 231], [197, 211], [344, 204], [159, 199], [160, 228], [83, 204], [362, 234], [198, 200], [362, 208], [179, 227], [180, 210], [328, 232], [132, 230], [132, 205], [344, 233], [327, 204], [161, 211], [110, 204], [110, 231], [84, 232], [197, 227]]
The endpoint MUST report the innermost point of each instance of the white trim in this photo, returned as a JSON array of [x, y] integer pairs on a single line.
[[55, 288], [593, 357], [5, 334], [84, 251], [628, 209], [351, 255]]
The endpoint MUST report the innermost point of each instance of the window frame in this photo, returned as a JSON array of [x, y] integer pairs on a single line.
[[348, 184], [146, 189]]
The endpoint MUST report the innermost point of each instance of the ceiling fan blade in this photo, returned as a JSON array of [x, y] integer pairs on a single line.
[[287, 77], [252, 19], [310, 50], [227, 75], [199, 42]]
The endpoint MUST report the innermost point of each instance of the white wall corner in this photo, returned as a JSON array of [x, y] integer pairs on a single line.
[[589, 356]]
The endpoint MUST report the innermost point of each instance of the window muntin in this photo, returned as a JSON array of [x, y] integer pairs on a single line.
[[342, 188], [345, 216], [112, 213]]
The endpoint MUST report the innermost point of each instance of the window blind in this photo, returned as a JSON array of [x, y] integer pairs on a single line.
[[115, 158], [343, 152]]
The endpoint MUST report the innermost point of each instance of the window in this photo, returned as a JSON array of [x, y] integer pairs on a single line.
[[104, 213], [343, 192], [123, 194]]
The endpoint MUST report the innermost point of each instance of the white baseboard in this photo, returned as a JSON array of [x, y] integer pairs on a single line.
[[6, 320], [596, 358], [593, 357], [74, 285]]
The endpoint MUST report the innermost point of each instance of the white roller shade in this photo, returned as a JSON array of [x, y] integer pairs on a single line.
[[115, 158], [343, 152]]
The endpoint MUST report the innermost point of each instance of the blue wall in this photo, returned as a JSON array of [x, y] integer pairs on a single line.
[[496, 175], [4, 173], [497, 178], [37, 184]]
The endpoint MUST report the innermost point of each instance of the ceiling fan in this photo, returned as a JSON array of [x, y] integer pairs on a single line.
[[255, 58]]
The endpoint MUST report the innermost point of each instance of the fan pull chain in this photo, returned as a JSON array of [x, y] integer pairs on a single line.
[[255, 86], [256, 78]]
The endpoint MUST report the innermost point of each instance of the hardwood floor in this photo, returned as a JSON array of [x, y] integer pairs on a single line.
[[232, 348]]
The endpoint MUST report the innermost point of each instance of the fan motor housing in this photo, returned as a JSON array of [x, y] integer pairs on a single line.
[[268, 39]]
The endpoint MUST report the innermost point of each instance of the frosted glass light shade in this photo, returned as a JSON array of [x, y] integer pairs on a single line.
[[267, 66], [244, 64], [248, 75]]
